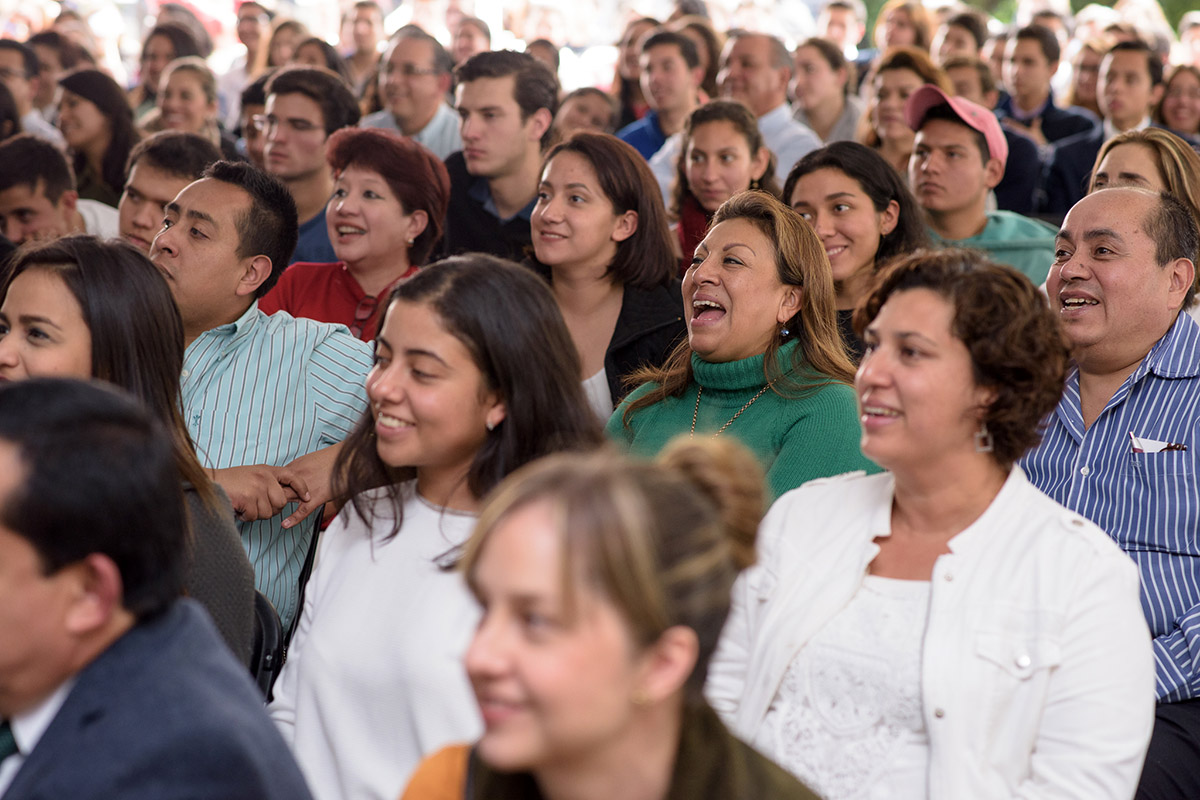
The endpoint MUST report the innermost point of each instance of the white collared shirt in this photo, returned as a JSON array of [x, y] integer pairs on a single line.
[[27, 729]]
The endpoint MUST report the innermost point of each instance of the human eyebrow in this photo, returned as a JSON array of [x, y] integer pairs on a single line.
[[732, 245], [1101, 233], [200, 215], [34, 319], [416, 352]]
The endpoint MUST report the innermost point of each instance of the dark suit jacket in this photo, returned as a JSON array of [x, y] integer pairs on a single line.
[[1057, 123], [470, 228], [1068, 171], [165, 712]]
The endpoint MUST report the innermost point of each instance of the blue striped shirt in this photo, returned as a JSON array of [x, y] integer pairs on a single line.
[[267, 390], [1148, 502]]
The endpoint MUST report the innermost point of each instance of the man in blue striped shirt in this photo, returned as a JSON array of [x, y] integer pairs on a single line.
[[267, 399], [1121, 446]]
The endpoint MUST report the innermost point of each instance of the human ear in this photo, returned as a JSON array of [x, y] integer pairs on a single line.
[[759, 164], [993, 171], [626, 226], [1183, 273], [256, 271], [889, 218], [97, 592], [540, 122], [666, 665], [790, 304], [417, 222]]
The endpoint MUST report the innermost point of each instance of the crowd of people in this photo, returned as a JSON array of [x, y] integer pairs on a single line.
[[788, 419]]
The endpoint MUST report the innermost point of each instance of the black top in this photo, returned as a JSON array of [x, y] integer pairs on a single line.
[[470, 228]]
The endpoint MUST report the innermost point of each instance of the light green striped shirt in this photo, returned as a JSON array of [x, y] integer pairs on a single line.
[[267, 390]]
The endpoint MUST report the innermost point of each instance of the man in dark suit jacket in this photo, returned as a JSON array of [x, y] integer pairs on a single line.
[[111, 686], [1030, 60], [1131, 83]]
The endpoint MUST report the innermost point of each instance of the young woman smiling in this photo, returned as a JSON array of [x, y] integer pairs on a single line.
[[187, 101], [475, 375], [821, 91], [722, 153], [763, 358], [98, 126], [384, 218], [864, 215], [605, 583], [600, 235], [900, 72]]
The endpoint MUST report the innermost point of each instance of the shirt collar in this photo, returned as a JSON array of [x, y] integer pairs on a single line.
[[29, 726], [481, 192], [1110, 130], [234, 333], [775, 120], [1175, 354]]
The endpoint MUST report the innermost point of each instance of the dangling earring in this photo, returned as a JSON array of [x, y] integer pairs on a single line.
[[983, 440], [754, 184], [784, 333]]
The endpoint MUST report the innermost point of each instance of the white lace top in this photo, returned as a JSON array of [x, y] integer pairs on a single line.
[[847, 717]]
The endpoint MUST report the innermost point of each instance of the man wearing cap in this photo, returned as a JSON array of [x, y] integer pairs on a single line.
[[958, 157]]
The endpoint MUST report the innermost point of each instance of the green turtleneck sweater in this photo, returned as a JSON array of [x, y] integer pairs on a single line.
[[795, 439]]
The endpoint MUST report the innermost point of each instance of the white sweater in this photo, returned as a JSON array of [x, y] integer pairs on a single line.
[[374, 678]]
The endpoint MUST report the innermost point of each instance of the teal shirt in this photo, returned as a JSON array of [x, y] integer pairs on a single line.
[[1021, 242], [267, 390], [795, 439]]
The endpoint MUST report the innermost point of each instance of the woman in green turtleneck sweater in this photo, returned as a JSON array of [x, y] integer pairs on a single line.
[[764, 360]]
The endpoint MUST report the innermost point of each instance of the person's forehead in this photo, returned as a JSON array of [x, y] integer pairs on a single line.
[[482, 92], [1120, 209], [411, 48], [154, 181], [946, 133], [12, 60], [1126, 61], [213, 198], [660, 52], [24, 195], [294, 104], [749, 48]]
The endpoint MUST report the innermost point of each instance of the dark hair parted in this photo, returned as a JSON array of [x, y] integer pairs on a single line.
[[416, 176], [1154, 64], [745, 123], [327, 89], [1016, 346], [27, 160], [102, 91], [800, 260], [98, 477], [508, 320], [268, 227], [332, 58], [1045, 39], [880, 182], [973, 22], [136, 330], [833, 56], [662, 541], [184, 155], [666, 38], [183, 43], [647, 258], [535, 86]]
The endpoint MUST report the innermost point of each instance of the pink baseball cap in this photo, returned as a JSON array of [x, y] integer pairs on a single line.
[[973, 115]]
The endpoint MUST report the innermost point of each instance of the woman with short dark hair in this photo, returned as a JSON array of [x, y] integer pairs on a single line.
[[943, 629], [384, 218]]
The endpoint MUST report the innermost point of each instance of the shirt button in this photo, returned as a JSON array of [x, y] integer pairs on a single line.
[[1085, 471], [939, 713], [1022, 661], [185, 373], [949, 576]]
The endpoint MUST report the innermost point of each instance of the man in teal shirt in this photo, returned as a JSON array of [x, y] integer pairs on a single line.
[[267, 399], [959, 156]]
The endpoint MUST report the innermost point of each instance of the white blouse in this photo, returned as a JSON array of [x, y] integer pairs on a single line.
[[847, 719], [374, 678]]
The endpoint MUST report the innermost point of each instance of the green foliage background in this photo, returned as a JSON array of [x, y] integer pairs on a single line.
[[1005, 10]]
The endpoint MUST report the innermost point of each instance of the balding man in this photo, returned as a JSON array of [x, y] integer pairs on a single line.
[[1121, 448]]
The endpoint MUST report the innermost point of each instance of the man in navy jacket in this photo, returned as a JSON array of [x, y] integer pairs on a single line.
[[111, 686]]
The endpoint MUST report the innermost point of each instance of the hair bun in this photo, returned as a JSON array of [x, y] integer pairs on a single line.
[[725, 472]]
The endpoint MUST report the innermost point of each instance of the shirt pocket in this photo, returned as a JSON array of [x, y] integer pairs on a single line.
[[1149, 467], [1014, 681]]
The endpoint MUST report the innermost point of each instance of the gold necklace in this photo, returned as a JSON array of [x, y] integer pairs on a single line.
[[721, 430]]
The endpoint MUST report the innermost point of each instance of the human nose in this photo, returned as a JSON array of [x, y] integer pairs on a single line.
[[872, 371], [147, 216], [385, 385], [485, 654], [820, 225], [468, 128], [8, 350]]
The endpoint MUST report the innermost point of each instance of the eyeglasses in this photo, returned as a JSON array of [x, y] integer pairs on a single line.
[[267, 124], [362, 314], [408, 70]]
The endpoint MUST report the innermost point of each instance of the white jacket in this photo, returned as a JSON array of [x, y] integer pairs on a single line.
[[1037, 670]]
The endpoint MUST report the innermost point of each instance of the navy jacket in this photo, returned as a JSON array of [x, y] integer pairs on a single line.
[[470, 228], [1068, 171], [1022, 174], [165, 712], [1057, 123]]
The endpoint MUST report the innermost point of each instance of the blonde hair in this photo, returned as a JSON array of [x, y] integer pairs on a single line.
[[662, 541]]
